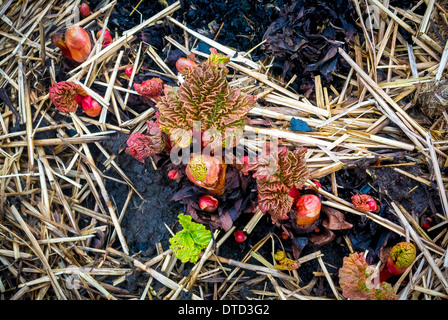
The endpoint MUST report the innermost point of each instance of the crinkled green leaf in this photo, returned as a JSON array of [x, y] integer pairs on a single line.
[[188, 243]]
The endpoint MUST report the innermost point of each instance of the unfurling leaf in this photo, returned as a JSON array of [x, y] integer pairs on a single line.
[[205, 97], [285, 263], [277, 171], [151, 88], [359, 282], [65, 96], [188, 243], [141, 146]]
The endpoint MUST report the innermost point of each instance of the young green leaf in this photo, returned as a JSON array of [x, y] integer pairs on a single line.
[[188, 243]]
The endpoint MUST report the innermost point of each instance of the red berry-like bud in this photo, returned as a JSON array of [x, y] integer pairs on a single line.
[[427, 222], [174, 174], [84, 10], [285, 235], [307, 209], [91, 107], [128, 71], [317, 184], [240, 236], [208, 203], [372, 205]]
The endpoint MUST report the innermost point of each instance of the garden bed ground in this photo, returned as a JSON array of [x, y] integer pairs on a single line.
[[81, 219]]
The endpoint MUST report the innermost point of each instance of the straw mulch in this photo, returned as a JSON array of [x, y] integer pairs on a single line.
[[44, 251]]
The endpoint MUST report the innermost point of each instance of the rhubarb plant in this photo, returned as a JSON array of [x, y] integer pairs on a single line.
[[278, 171], [205, 97], [188, 243], [358, 280], [141, 146]]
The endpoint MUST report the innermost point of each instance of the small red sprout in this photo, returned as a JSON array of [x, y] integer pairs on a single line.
[[174, 174], [307, 209], [91, 107], [365, 203], [128, 71], [66, 95], [400, 258], [84, 10], [285, 235], [150, 88], [317, 184], [107, 40], [427, 222], [208, 203], [240, 236], [184, 63]]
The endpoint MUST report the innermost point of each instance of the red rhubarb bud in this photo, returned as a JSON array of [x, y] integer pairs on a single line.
[[184, 63], [308, 209], [400, 258], [365, 203], [66, 96], [107, 40], [128, 71], [77, 41], [84, 10], [150, 88], [207, 172], [208, 203], [91, 107], [427, 222], [174, 174], [240, 236]]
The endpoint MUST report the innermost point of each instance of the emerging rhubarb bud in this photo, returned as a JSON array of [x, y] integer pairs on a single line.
[[207, 172], [355, 279], [141, 146], [307, 208], [184, 63], [107, 40], [77, 41], [427, 222], [150, 88], [84, 10], [91, 107], [174, 174], [365, 203], [128, 71], [400, 258], [66, 96], [208, 203], [240, 236]]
